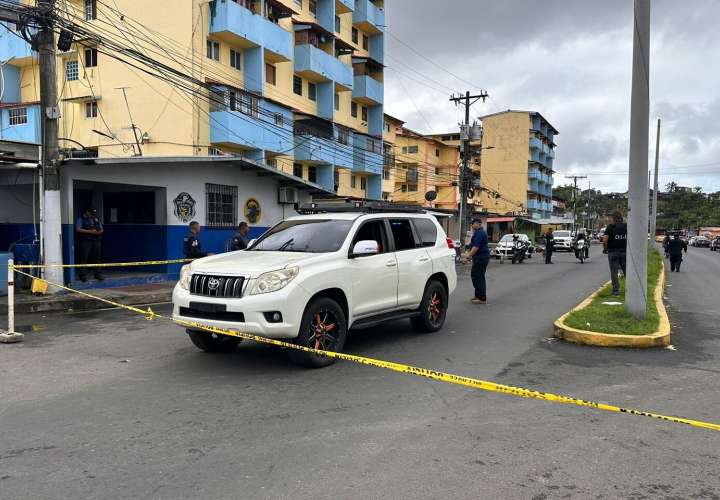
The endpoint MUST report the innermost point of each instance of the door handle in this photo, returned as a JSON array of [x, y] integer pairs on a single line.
[[391, 263], [424, 259]]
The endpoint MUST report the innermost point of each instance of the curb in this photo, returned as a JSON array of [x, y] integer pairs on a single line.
[[661, 338], [86, 304]]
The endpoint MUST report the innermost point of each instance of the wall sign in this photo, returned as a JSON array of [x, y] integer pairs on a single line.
[[184, 207], [252, 211]]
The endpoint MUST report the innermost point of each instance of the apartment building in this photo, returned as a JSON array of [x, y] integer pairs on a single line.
[[392, 127], [518, 170], [291, 90]]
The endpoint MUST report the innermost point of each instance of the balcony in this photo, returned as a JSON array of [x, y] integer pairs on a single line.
[[535, 143], [239, 130], [367, 156], [369, 17], [534, 173], [551, 153], [239, 26], [534, 205], [317, 65], [22, 132], [367, 90], [344, 6]]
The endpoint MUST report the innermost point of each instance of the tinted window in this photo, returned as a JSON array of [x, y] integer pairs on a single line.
[[427, 231], [562, 234], [311, 236], [375, 231], [402, 234]]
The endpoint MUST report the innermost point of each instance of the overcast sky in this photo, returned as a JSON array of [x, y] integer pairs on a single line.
[[571, 61]]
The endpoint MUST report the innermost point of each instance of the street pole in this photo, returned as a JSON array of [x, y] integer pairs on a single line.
[[52, 223], [636, 280], [468, 100], [653, 217], [575, 179]]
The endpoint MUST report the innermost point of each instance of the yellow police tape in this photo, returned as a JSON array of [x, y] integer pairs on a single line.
[[401, 368], [109, 264]]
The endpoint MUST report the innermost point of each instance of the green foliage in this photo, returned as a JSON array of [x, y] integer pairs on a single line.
[[684, 208], [598, 317]]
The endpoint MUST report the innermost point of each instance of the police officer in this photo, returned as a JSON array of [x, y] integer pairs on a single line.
[[549, 246], [615, 245], [89, 231], [191, 242], [675, 249], [240, 240]]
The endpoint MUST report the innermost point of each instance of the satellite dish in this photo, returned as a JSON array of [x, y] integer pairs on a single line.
[[431, 196]]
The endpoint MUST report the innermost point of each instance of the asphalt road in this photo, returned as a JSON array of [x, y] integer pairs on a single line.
[[106, 405]]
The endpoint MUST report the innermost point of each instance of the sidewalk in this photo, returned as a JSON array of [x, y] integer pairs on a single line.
[[129, 295]]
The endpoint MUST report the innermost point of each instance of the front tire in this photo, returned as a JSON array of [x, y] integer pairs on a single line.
[[211, 342], [323, 327], [433, 309]]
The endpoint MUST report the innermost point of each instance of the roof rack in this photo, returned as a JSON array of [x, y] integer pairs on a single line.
[[366, 207]]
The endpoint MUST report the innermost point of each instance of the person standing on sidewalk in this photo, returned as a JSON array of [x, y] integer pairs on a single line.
[[549, 246], [675, 248], [89, 231], [615, 245], [240, 240], [191, 242], [480, 255]]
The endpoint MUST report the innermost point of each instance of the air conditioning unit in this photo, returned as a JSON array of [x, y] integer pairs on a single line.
[[288, 196]]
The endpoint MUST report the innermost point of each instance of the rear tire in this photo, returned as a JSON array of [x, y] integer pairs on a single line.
[[433, 309], [324, 327], [211, 342]]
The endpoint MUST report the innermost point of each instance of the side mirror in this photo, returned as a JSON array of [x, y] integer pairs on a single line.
[[365, 248]]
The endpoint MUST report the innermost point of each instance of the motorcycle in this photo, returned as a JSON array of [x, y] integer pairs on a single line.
[[581, 251], [520, 251]]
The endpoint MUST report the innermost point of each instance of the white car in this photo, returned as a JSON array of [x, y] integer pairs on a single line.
[[504, 248], [311, 278], [563, 241]]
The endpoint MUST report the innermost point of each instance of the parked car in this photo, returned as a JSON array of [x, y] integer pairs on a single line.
[[715, 244], [312, 278], [504, 248], [700, 241], [563, 241]]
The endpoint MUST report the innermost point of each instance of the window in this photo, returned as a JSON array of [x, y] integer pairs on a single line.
[[297, 170], [71, 71], [373, 230], [279, 120], [252, 106], [312, 174], [343, 136], [271, 162], [386, 174], [91, 57], [427, 231], [404, 150], [365, 42], [270, 74], [437, 152], [374, 146], [222, 202], [337, 24], [385, 196], [386, 126], [411, 150], [308, 235], [17, 116], [337, 102], [402, 234], [355, 35], [353, 182], [298, 3], [363, 183], [297, 85], [91, 109], [364, 111], [213, 50], [312, 91], [235, 59], [313, 7], [90, 10], [353, 109]]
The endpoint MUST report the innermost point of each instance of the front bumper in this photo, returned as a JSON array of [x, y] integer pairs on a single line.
[[290, 302], [563, 245]]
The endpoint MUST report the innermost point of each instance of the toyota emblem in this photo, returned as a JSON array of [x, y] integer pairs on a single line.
[[213, 284]]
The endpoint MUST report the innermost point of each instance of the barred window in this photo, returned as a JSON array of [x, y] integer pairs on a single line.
[[90, 10], [222, 203], [18, 116], [71, 71]]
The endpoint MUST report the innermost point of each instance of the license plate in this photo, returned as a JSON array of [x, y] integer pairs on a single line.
[[209, 308]]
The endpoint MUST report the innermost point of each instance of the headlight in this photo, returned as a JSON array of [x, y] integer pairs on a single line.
[[185, 276], [274, 280]]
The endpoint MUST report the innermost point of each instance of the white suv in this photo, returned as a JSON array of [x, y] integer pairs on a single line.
[[313, 277]]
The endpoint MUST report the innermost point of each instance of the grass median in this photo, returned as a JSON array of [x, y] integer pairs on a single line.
[[601, 317]]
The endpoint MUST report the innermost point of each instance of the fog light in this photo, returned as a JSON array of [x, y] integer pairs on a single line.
[[273, 317]]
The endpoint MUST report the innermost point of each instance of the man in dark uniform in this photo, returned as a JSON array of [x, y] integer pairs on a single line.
[[675, 248], [89, 230], [549, 246], [615, 245], [480, 255], [240, 240], [191, 242]]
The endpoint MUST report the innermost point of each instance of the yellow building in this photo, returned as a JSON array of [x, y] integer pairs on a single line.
[[294, 84], [392, 127]]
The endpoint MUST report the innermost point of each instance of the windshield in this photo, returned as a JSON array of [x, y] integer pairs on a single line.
[[308, 236], [509, 237], [562, 234]]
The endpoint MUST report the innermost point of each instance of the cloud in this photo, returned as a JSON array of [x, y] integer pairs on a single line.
[[571, 61]]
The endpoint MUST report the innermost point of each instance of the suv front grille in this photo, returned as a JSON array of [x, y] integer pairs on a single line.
[[207, 285]]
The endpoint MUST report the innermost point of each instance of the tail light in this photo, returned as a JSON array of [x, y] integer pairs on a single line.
[[450, 243]]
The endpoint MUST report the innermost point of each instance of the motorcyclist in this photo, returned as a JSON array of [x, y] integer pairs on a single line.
[[578, 237]]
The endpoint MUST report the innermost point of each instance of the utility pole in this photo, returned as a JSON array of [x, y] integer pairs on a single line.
[[52, 227], [636, 295], [468, 100], [653, 216], [575, 178]]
